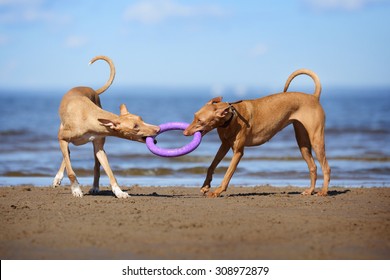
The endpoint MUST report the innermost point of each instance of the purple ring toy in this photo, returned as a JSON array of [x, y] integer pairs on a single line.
[[173, 152]]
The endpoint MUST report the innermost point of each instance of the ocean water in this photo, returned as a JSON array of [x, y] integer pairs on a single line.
[[357, 142]]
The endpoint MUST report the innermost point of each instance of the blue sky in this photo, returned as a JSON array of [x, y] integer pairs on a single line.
[[175, 43]]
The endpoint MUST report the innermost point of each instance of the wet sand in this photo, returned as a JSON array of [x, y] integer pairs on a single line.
[[262, 222]]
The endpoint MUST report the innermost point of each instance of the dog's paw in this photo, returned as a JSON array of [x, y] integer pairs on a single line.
[[307, 192], [57, 181], [76, 191], [322, 193], [119, 193], [122, 195], [204, 190], [212, 194], [94, 191]]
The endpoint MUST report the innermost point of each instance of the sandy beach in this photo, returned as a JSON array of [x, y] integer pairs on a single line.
[[261, 222]]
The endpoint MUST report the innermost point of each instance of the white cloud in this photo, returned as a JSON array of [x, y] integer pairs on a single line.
[[259, 50], [343, 5], [149, 11], [217, 90], [76, 41], [16, 11], [240, 90]]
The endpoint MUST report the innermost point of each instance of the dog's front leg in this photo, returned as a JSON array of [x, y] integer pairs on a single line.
[[229, 173], [59, 176], [102, 157], [223, 149]]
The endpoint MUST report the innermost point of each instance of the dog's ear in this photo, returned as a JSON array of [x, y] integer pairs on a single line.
[[215, 100], [222, 112], [123, 110], [108, 123]]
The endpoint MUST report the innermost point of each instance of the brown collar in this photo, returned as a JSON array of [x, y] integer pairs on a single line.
[[233, 111]]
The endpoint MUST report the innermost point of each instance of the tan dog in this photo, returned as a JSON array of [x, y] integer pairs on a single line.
[[254, 122], [83, 120]]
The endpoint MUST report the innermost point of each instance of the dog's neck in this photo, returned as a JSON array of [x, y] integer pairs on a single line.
[[232, 112], [100, 128]]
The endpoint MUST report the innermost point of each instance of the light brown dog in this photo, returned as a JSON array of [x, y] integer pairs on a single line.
[[254, 122], [83, 120]]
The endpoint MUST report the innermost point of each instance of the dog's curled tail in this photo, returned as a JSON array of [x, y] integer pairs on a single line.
[[317, 91], [112, 72]]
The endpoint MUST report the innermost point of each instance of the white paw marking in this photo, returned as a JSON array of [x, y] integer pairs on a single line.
[[119, 193], [57, 180], [76, 191]]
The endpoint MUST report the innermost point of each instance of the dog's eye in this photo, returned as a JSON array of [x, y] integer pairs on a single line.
[[135, 126]]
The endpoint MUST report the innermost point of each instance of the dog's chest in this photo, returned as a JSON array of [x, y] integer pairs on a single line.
[[89, 137]]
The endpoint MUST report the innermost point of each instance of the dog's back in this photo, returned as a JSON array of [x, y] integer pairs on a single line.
[[78, 102]]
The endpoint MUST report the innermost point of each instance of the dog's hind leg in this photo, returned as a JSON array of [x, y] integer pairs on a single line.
[[75, 186], [318, 143], [96, 170], [305, 148]]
